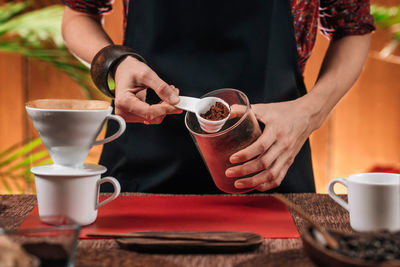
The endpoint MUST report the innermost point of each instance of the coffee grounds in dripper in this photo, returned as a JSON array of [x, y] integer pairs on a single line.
[[216, 112]]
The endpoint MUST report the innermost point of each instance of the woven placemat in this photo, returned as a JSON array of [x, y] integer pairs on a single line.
[[323, 210], [294, 257], [89, 257], [16, 205]]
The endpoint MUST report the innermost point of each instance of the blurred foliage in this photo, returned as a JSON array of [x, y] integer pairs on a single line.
[[36, 34], [387, 17], [16, 163]]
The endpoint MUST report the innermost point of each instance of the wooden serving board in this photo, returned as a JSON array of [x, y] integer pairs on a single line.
[[193, 242]]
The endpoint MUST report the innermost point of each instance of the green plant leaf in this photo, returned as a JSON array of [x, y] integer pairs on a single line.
[[16, 185], [8, 150], [37, 163], [386, 17], [12, 175], [23, 150], [37, 35], [37, 26], [8, 10], [27, 163], [6, 185]]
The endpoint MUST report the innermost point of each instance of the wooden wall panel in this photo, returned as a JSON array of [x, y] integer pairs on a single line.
[[12, 112], [12, 98], [113, 23], [367, 122], [47, 82]]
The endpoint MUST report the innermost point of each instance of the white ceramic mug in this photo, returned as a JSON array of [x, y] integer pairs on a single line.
[[72, 192], [69, 128], [373, 200]]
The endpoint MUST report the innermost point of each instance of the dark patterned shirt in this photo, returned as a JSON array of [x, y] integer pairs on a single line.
[[338, 18]]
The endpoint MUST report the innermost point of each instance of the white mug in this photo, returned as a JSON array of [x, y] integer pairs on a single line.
[[373, 200], [72, 192], [68, 128]]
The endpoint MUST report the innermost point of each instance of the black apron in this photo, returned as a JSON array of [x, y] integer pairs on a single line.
[[200, 46]]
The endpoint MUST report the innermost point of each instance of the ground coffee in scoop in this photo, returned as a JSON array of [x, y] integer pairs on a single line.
[[217, 112]]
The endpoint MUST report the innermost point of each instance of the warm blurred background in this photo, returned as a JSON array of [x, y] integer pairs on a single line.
[[362, 134]]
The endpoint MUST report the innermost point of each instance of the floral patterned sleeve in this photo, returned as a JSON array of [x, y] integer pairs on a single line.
[[90, 6], [339, 18]]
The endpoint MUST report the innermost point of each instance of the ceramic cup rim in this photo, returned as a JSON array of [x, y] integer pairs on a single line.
[[390, 179], [109, 109]]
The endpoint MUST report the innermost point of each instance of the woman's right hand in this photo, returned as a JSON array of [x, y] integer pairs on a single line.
[[132, 78]]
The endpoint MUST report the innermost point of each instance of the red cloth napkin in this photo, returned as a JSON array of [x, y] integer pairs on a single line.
[[264, 215]]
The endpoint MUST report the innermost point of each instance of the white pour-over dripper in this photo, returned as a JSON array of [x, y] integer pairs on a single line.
[[69, 128], [200, 106]]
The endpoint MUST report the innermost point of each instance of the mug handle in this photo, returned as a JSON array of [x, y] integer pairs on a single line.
[[122, 126], [334, 196], [117, 190]]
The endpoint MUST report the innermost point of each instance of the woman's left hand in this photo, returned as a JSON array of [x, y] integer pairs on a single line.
[[287, 127]]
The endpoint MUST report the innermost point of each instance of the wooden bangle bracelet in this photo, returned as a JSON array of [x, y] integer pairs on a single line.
[[104, 63]]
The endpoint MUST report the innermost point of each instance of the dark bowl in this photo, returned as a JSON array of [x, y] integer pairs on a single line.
[[323, 256]]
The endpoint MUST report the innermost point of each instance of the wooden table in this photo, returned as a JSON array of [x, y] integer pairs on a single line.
[[273, 252]]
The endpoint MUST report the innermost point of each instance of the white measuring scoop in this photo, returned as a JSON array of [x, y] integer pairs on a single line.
[[200, 106]]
